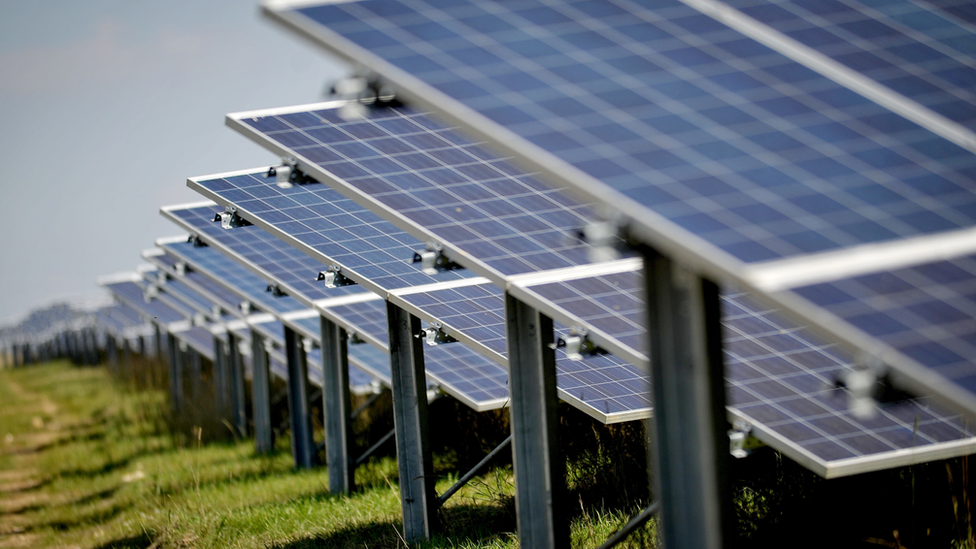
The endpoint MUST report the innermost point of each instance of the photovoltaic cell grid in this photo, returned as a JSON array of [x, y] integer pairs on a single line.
[[452, 190], [309, 327], [279, 261], [372, 251], [907, 46], [205, 286], [477, 381], [779, 377], [246, 285], [927, 312], [728, 139], [187, 295], [222, 278], [199, 339], [783, 381], [131, 294], [604, 386], [124, 315]]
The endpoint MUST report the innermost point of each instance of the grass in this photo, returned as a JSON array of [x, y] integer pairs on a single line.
[[88, 462]]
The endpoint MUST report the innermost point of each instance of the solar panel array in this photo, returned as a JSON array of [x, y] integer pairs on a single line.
[[715, 143]]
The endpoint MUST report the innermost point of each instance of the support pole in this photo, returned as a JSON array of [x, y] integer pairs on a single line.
[[235, 384], [261, 395], [302, 444], [221, 375], [688, 387], [336, 407], [175, 371], [417, 496], [539, 470]]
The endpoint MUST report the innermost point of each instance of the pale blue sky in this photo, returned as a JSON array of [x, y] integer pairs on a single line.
[[106, 107]]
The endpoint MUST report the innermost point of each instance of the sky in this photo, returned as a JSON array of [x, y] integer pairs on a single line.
[[106, 107]]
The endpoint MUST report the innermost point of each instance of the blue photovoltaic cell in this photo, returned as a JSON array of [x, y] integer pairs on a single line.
[[726, 138], [451, 189], [907, 46], [367, 318], [246, 285], [273, 330], [927, 312], [309, 327], [200, 339], [255, 246], [131, 293], [477, 311], [370, 250], [109, 322]]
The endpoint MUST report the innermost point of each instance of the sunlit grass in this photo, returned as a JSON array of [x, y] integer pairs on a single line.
[[86, 463]]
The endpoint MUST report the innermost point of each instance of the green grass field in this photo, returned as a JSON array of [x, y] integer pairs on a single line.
[[86, 462]]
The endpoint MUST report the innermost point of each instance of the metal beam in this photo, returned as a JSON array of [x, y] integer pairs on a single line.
[[476, 470], [336, 408], [302, 444], [539, 470], [261, 395], [221, 377], [235, 385], [417, 496], [691, 450]]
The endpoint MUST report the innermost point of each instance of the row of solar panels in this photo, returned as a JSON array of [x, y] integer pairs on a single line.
[[782, 379]]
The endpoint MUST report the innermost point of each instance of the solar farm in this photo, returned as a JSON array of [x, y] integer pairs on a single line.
[[747, 226]]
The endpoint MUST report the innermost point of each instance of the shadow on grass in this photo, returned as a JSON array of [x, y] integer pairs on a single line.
[[460, 524], [140, 541]]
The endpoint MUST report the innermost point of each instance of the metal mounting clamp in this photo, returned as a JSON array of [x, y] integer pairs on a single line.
[[334, 278], [276, 290], [361, 92], [307, 344], [577, 344], [435, 335], [245, 307], [605, 240], [149, 293], [741, 441], [229, 218], [181, 268], [354, 338], [287, 173], [863, 385], [195, 240], [432, 259]]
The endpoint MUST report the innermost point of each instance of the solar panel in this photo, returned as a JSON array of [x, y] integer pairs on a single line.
[[781, 378], [483, 386], [306, 324], [292, 270], [718, 150], [199, 338], [919, 52], [605, 387], [404, 165], [322, 223], [176, 288], [132, 293], [219, 278]]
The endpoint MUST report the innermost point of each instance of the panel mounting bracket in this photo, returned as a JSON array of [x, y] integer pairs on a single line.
[[181, 268], [334, 278], [864, 386], [149, 293], [741, 441], [605, 238], [245, 307], [432, 259], [195, 240], [276, 290], [435, 335], [354, 338], [287, 173], [229, 218], [577, 344], [361, 91]]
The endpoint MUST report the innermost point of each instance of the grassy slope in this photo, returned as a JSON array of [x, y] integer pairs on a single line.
[[84, 463]]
